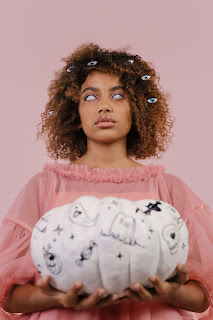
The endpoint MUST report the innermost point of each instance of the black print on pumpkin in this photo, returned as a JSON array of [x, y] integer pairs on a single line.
[[122, 228], [42, 224], [58, 229], [178, 219], [52, 261], [77, 214], [179, 222], [152, 206], [86, 253], [120, 256], [171, 235]]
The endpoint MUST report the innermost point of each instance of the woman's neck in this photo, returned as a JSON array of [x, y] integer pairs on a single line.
[[106, 156]]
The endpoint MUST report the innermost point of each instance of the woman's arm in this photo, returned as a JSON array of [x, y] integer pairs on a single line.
[[29, 298], [181, 293]]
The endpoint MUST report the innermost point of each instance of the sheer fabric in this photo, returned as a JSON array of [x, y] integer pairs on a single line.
[[59, 184]]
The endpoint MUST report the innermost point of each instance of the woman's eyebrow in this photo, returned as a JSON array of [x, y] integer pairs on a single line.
[[96, 89]]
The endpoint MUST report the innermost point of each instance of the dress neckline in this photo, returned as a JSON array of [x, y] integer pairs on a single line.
[[116, 175]]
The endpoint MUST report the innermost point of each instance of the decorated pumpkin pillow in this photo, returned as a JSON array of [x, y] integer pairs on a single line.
[[109, 242]]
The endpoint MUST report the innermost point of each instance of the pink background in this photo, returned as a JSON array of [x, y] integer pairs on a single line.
[[175, 35]]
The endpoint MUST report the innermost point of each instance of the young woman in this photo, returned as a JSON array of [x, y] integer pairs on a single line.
[[105, 109]]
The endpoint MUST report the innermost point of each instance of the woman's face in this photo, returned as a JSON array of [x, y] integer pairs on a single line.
[[104, 109]]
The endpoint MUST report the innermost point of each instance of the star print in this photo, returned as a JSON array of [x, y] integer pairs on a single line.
[[72, 236], [120, 256], [183, 245], [150, 230], [58, 229], [114, 202]]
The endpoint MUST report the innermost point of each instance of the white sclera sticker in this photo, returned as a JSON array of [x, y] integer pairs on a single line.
[[92, 63], [152, 100], [146, 77], [70, 69]]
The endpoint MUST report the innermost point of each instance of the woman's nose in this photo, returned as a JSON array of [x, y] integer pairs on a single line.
[[104, 108]]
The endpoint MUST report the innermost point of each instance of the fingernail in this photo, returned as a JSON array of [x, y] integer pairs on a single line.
[[180, 265], [114, 297], [152, 279], [101, 293], [78, 285], [136, 286]]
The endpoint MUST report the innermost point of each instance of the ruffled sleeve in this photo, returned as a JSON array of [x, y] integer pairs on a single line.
[[199, 219], [16, 266]]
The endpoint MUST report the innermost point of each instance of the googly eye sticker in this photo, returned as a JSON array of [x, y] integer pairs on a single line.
[[70, 69], [146, 77], [51, 112], [152, 100], [131, 61], [92, 63]]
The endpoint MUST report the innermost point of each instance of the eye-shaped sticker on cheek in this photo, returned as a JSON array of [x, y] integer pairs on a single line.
[[70, 69], [152, 100], [146, 77], [92, 63]]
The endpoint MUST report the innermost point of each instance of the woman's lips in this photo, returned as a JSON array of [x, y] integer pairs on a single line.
[[105, 124]]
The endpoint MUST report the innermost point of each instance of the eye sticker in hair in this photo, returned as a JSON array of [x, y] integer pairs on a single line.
[[131, 61], [51, 112], [146, 77], [152, 100], [92, 63], [70, 69]]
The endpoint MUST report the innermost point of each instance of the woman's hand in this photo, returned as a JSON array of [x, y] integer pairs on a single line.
[[163, 290], [71, 298]]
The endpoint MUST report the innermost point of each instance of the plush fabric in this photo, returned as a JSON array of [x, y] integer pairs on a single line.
[[109, 242]]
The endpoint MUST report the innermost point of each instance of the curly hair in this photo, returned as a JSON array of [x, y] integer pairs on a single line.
[[150, 132]]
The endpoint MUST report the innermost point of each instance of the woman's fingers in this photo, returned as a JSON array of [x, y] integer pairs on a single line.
[[182, 273], [144, 294], [160, 286]]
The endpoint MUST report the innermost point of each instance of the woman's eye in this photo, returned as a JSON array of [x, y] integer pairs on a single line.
[[89, 97], [120, 96]]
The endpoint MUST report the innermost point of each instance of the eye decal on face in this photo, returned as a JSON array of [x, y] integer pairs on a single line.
[[152, 100], [146, 77]]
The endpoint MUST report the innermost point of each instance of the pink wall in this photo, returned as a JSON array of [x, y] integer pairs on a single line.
[[175, 35]]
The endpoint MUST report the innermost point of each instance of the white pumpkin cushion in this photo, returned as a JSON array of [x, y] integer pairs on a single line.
[[109, 242]]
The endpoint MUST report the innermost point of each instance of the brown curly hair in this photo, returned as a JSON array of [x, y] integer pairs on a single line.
[[150, 132]]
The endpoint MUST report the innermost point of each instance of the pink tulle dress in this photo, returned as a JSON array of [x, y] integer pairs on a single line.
[[59, 184]]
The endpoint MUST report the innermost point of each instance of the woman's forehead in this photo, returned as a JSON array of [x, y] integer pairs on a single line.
[[98, 78]]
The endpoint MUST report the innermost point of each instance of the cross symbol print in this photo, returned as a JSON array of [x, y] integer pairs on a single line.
[[58, 229], [152, 206]]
